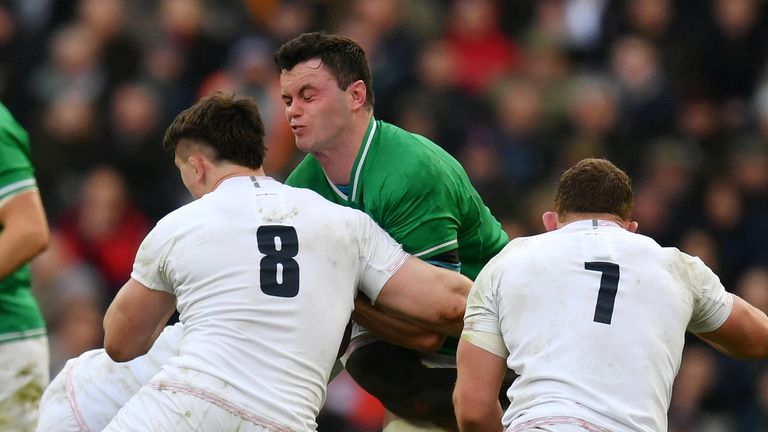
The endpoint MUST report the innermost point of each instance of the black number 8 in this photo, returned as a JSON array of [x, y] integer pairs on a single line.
[[268, 238]]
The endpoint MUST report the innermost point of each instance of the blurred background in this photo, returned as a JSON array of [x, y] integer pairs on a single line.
[[673, 91]]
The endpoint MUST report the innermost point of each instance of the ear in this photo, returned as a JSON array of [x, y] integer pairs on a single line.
[[198, 165], [357, 92], [549, 219], [632, 226]]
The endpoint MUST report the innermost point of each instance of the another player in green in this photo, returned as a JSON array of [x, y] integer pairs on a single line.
[[415, 191], [23, 234]]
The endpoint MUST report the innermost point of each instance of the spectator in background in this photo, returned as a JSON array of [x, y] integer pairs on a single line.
[[482, 50], [105, 228], [71, 296], [23, 235]]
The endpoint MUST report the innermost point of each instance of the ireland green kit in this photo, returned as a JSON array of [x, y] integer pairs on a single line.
[[416, 192], [19, 315]]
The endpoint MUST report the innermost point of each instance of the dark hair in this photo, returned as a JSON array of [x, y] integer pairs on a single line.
[[230, 125], [343, 57], [594, 186]]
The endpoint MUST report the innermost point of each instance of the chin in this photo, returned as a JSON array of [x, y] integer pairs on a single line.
[[304, 146]]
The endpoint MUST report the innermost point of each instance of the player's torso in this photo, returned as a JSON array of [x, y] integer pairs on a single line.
[[266, 280], [595, 319]]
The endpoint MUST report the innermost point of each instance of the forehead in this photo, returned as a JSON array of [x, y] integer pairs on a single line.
[[311, 73]]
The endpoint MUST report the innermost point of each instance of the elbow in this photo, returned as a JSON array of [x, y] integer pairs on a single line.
[[117, 352], [468, 417], [428, 342], [451, 318], [41, 240]]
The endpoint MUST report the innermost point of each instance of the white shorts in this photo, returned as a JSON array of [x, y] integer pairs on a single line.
[[556, 424], [165, 406], [23, 376], [56, 411]]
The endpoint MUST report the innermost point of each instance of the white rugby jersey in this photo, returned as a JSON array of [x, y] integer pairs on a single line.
[[97, 387], [593, 319], [265, 276]]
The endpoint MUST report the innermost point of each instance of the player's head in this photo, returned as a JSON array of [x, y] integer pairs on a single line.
[[594, 186], [228, 127], [342, 57]]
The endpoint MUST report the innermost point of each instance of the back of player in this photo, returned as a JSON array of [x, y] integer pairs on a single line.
[[608, 306], [265, 276]]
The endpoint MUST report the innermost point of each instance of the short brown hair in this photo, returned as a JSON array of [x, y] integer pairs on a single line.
[[228, 124], [343, 57], [594, 186]]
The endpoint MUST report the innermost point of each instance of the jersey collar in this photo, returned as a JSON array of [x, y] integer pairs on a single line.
[[587, 224], [357, 167]]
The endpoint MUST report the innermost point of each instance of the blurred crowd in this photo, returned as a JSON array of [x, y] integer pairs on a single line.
[[675, 92]]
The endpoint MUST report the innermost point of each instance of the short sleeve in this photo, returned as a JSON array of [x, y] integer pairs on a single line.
[[712, 303], [16, 172], [481, 319], [381, 256], [150, 267]]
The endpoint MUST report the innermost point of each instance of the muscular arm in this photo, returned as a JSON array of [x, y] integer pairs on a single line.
[[24, 232], [429, 296], [135, 318], [743, 335], [480, 374], [395, 330]]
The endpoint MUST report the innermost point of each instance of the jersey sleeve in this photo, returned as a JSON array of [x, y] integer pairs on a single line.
[[16, 172], [150, 266], [712, 303], [481, 319], [381, 257]]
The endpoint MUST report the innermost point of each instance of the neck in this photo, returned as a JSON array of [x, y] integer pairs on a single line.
[[338, 160], [234, 171], [567, 218]]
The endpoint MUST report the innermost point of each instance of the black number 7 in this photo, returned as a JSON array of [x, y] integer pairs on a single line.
[[609, 285]]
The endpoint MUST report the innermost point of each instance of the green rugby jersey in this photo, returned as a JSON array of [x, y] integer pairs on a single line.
[[19, 314], [416, 192]]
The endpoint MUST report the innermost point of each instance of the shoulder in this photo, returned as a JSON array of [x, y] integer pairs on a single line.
[[413, 152], [409, 164]]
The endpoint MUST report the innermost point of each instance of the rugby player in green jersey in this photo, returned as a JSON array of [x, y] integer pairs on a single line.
[[23, 234], [409, 185]]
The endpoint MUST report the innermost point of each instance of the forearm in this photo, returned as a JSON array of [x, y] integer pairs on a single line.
[[428, 296], [482, 419], [18, 248], [395, 330], [24, 233]]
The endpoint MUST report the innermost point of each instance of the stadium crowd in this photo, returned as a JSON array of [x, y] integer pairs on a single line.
[[675, 92]]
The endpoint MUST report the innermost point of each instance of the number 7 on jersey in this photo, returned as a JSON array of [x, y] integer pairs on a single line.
[[609, 286]]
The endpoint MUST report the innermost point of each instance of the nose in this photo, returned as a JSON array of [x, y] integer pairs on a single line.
[[293, 110]]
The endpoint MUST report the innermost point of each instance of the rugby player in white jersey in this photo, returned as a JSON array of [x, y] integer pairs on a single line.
[[92, 387], [592, 317], [264, 277]]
